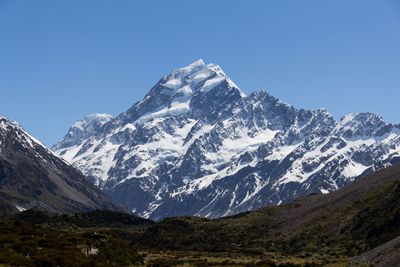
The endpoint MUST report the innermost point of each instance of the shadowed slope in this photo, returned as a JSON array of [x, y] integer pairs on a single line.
[[32, 177]]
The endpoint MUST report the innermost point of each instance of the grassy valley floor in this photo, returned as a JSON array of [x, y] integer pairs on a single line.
[[356, 226]]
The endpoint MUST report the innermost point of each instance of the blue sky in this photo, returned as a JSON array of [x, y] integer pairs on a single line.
[[61, 60]]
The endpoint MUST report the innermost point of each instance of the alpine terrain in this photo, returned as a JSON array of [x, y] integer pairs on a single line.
[[197, 145], [31, 176]]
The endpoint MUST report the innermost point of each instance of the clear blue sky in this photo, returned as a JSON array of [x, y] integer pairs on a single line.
[[61, 60]]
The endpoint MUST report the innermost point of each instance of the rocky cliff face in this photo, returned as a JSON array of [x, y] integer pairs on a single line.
[[197, 145]]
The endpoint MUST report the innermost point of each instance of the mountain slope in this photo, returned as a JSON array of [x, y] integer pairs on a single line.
[[197, 145], [361, 219], [346, 222], [32, 177], [384, 255]]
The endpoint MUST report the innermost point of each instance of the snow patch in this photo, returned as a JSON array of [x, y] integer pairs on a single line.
[[19, 208]]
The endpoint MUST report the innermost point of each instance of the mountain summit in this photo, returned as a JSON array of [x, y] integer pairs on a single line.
[[197, 145], [182, 91]]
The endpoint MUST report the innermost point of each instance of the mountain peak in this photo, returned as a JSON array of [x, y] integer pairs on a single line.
[[199, 62], [7, 123], [84, 128], [174, 94], [188, 70], [97, 118], [197, 76]]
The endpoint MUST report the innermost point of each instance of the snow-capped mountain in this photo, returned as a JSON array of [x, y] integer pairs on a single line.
[[31, 176], [83, 129], [197, 145]]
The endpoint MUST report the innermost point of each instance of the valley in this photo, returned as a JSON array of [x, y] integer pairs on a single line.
[[329, 230]]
